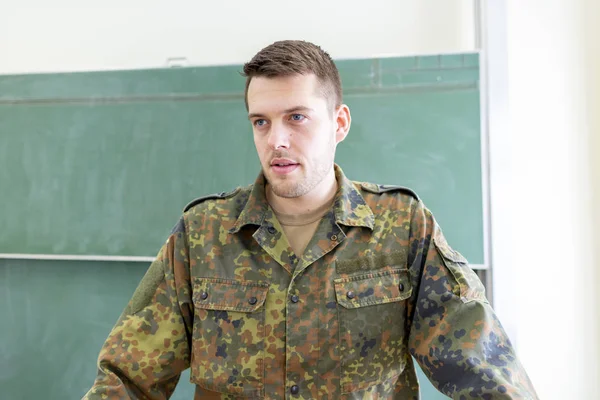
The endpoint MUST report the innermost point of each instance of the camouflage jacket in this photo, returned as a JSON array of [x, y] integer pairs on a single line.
[[378, 283]]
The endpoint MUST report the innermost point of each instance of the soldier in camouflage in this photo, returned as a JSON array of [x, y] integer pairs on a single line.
[[305, 284]]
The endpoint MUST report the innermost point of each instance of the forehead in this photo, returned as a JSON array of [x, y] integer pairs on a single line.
[[281, 93]]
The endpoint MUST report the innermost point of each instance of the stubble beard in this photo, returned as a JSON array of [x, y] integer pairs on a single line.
[[289, 188]]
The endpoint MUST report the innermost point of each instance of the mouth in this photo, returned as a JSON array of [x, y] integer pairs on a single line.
[[279, 162], [283, 166]]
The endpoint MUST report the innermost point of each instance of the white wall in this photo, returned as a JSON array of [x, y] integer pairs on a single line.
[[545, 173], [68, 35]]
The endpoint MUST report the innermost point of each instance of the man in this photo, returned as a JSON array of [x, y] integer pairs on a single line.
[[306, 285]]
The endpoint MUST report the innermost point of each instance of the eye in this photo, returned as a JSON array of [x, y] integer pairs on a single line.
[[260, 122], [297, 117]]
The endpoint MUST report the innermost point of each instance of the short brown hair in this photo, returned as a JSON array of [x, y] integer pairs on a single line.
[[290, 57]]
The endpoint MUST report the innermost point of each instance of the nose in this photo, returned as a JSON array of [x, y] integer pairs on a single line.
[[279, 136]]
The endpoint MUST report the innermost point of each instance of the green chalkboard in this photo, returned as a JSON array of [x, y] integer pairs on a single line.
[[101, 163], [56, 315]]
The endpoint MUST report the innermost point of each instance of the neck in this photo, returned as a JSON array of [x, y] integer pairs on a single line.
[[320, 195]]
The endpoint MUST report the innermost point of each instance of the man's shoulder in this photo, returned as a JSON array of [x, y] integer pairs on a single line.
[[378, 189], [231, 196]]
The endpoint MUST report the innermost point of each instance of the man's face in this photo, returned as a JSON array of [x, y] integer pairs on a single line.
[[295, 132]]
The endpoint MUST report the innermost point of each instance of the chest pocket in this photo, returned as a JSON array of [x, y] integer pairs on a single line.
[[228, 336], [372, 316]]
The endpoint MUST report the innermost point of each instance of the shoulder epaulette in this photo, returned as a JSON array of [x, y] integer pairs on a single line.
[[378, 189], [222, 195]]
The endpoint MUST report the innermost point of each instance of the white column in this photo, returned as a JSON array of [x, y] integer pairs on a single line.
[[592, 59], [552, 130]]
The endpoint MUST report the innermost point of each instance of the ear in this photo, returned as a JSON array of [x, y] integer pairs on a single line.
[[342, 120]]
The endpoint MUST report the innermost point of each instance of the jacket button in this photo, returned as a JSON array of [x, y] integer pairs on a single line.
[[252, 300], [333, 238], [295, 299], [204, 295], [401, 287], [350, 294], [295, 389], [271, 230]]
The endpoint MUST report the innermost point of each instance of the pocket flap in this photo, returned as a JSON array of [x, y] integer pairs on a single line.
[[229, 295], [374, 288]]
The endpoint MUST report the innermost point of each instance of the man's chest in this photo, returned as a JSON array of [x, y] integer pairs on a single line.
[[338, 315]]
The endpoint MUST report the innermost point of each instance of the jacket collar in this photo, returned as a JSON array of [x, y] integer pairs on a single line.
[[349, 207]]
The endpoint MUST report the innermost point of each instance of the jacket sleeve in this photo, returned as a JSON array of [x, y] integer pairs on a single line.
[[149, 346], [455, 335]]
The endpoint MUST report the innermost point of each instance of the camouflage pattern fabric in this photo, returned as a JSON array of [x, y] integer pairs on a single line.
[[378, 283]]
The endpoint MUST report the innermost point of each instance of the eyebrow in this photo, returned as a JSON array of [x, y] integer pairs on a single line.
[[288, 111]]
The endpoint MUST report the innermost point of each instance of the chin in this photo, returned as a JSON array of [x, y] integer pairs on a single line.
[[291, 190], [284, 190]]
